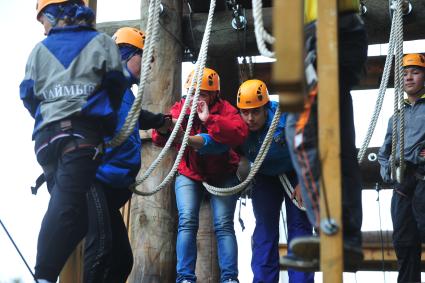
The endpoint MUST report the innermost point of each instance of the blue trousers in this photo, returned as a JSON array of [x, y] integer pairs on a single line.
[[189, 194], [267, 197]]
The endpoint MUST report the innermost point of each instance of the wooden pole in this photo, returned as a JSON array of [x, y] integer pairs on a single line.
[[72, 272], [153, 222], [331, 252], [288, 73], [207, 269]]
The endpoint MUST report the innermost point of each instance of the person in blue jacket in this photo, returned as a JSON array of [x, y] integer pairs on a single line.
[[275, 177], [72, 87], [108, 256]]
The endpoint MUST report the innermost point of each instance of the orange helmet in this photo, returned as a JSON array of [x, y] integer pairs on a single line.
[[41, 4], [252, 94], [210, 80], [128, 35], [414, 59]]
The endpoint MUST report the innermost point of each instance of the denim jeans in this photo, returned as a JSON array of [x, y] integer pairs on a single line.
[[189, 194]]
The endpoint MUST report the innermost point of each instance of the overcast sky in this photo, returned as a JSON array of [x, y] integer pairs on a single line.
[[22, 212]]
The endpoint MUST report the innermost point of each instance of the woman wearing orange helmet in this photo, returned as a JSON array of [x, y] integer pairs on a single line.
[[107, 255], [221, 121], [73, 85], [270, 184], [408, 201]]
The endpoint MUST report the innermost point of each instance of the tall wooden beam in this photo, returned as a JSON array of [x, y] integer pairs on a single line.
[[331, 252], [154, 219], [225, 40]]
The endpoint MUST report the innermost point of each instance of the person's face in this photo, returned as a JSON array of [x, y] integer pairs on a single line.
[[255, 118], [46, 24], [207, 96], [414, 79], [134, 65]]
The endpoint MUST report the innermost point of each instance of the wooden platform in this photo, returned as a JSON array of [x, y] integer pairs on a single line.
[[373, 252]]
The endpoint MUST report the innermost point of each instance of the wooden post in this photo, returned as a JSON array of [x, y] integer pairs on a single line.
[[288, 73], [331, 252], [72, 272], [207, 269], [153, 222]]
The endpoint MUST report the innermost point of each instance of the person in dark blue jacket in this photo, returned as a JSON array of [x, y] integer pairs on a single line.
[[108, 256], [275, 177], [73, 85]]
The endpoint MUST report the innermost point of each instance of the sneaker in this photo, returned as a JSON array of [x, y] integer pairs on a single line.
[[308, 248], [299, 264], [230, 281], [186, 281]]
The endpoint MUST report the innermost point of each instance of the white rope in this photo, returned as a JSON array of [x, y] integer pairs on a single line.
[[151, 40], [398, 118], [255, 166], [198, 74], [289, 189], [261, 35], [396, 29]]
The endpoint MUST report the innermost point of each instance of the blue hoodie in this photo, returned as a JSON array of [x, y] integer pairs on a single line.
[[122, 163]]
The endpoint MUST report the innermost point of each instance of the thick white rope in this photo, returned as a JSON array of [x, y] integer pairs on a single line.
[[396, 26], [151, 40], [261, 35], [255, 166], [198, 74], [398, 118]]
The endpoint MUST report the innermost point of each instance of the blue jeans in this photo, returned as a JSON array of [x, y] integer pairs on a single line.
[[189, 194], [267, 197]]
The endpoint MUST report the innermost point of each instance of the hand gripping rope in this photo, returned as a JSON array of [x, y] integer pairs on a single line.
[[255, 166], [199, 69]]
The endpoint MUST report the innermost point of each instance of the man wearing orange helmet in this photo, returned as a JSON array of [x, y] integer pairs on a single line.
[[221, 121], [73, 86], [408, 201], [275, 176], [108, 256]]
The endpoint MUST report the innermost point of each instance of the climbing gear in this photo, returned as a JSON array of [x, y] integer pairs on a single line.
[[414, 60], [210, 80], [289, 190], [129, 35], [252, 94], [261, 35], [41, 4]]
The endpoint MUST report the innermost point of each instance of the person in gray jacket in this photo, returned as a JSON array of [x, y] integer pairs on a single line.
[[408, 201]]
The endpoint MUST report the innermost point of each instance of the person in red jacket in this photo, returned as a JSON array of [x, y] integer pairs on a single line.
[[221, 121]]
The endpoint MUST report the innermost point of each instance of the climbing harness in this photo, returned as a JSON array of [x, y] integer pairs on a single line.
[[395, 45], [19, 252], [289, 190]]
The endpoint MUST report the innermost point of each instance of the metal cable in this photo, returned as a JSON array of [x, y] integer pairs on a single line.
[[19, 252]]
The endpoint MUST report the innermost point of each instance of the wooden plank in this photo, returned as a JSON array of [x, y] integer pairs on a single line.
[[154, 219], [225, 40], [331, 252], [288, 72]]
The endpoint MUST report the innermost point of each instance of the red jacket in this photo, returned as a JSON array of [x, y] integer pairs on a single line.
[[224, 125]]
